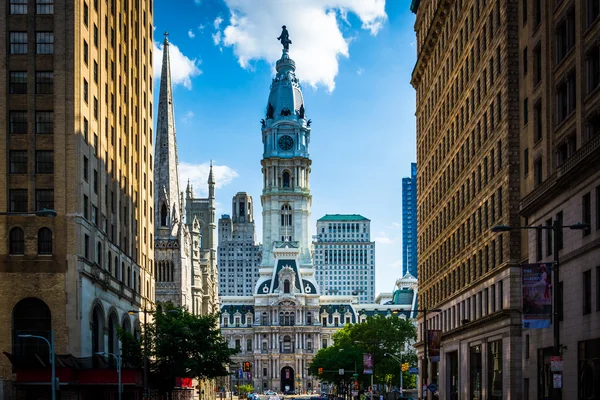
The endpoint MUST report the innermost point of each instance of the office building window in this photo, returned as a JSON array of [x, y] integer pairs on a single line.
[[538, 177], [44, 7], [86, 14], [525, 111], [526, 162], [45, 241], [586, 212], [18, 42], [95, 72], [85, 207], [44, 122], [17, 82], [44, 199], [525, 61], [16, 241], [587, 291], [95, 108], [85, 90], [44, 82], [85, 168], [565, 149], [593, 10], [537, 115], [44, 162], [18, 200], [18, 7], [85, 129], [537, 10], [18, 161], [537, 63], [86, 246], [44, 42], [565, 35], [565, 98], [18, 122], [592, 60], [95, 35], [86, 52]]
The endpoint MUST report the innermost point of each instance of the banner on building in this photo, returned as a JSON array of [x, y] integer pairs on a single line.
[[537, 295], [287, 374], [367, 364], [434, 338]]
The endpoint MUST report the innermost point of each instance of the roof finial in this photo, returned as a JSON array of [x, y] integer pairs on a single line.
[[284, 38], [166, 34]]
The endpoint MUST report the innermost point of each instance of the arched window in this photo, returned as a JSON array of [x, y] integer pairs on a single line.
[[122, 272], [286, 179], [264, 321], [286, 286], [115, 274], [309, 318], [17, 241], [45, 241], [126, 325], [164, 215], [128, 276], [99, 253], [113, 339], [281, 318], [97, 330], [109, 259], [30, 316], [292, 319]]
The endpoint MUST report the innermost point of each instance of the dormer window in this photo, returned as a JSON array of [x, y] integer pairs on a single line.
[[286, 286]]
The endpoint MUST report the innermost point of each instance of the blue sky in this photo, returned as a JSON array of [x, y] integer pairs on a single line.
[[354, 59]]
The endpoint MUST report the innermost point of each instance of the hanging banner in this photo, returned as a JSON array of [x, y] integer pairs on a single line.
[[367, 364], [537, 295], [434, 338]]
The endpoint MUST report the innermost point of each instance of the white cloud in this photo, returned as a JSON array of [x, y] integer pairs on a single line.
[[198, 176], [360, 71], [198, 2], [187, 117], [383, 238], [182, 67], [201, 27], [317, 42], [191, 34]]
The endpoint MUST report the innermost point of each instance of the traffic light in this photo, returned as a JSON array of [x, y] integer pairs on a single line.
[[405, 367], [320, 371], [246, 366]]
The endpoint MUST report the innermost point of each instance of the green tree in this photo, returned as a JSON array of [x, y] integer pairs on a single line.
[[243, 390], [180, 345], [377, 335]]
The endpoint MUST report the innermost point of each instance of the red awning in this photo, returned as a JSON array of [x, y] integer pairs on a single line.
[[183, 382]]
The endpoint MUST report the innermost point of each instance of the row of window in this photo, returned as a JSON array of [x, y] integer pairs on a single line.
[[44, 43], [18, 161], [18, 200], [42, 7], [44, 82], [17, 241], [18, 125]]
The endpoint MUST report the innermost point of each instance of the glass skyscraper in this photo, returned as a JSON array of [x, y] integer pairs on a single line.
[[409, 222]]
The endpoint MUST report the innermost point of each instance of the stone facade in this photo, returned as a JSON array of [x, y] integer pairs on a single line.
[[559, 129], [238, 254], [467, 85], [75, 144]]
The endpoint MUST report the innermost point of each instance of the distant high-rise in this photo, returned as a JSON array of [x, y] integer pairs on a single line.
[[238, 255], [345, 256], [409, 222]]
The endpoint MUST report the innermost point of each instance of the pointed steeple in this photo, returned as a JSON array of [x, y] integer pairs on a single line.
[[189, 190], [166, 171], [211, 182]]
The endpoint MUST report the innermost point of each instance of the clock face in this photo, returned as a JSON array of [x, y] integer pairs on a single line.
[[286, 142]]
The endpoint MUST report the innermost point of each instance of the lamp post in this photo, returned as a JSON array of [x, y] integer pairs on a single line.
[[119, 366], [51, 350], [400, 361], [372, 344], [425, 372], [145, 311], [556, 229]]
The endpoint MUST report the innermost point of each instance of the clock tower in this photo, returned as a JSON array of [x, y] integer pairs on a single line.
[[286, 198]]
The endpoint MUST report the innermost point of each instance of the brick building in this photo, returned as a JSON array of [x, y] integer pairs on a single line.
[[467, 85], [77, 138]]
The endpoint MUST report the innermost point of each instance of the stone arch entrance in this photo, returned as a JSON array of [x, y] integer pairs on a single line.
[[287, 379]]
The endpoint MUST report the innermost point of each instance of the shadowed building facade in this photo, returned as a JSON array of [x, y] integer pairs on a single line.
[[409, 223], [467, 85], [76, 121]]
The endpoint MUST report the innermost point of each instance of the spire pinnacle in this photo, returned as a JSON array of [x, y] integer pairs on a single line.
[[166, 35], [211, 176]]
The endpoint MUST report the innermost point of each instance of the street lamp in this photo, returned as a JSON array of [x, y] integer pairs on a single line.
[[52, 364], [119, 366], [39, 213], [400, 361], [425, 372], [556, 229]]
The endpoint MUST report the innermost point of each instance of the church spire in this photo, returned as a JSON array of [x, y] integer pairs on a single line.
[[211, 182], [165, 163]]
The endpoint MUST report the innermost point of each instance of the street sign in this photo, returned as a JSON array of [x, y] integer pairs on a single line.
[[341, 371], [432, 387], [556, 363], [413, 370]]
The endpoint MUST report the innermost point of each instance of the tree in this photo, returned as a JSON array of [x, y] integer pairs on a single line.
[[377, 335], [180, 345], [243, 390]]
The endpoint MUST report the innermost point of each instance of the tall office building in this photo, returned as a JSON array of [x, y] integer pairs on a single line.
[[409, 222], [467, 85], [345, 256], [559, 125], [238, 254], [77, 138]]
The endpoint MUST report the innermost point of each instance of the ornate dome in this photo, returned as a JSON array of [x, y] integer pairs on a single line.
[[285, 99]]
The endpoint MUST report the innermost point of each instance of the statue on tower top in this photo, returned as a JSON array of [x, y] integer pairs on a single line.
[[284, 38]]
